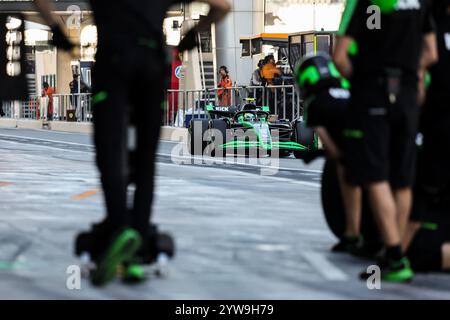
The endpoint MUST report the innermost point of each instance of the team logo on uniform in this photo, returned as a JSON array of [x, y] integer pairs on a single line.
[[339, 93], [408, 5]]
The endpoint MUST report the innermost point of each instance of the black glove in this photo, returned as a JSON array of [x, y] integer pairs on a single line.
[[189, 42], [60, 40]]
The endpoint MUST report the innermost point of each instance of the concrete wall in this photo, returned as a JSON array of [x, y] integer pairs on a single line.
[[246, 19], [59, 63], [190, 72], [46, 64], [167, 133], [64, 72]]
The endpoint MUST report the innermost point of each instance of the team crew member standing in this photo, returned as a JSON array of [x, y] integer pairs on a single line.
[[225, 84], [269, 72], [430, 225], [130, 63], [131, 43], [48, 92], [384, 111]]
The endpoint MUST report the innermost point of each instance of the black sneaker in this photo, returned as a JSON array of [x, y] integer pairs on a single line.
[[348, 244], [122, 248], [133, 273], [398, 271]]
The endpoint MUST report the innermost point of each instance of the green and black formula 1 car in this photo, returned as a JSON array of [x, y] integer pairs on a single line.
[[248, 130]]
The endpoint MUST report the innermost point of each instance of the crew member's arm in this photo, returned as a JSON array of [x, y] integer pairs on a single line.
[[45, 8], [428, 58], [430, 47], [446, 257], [352, 22], [331, 148], [60, 40], [218, 10], [278, 71], [341, 58], [429, 52]]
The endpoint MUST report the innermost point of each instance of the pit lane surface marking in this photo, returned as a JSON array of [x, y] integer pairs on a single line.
[[17, 139], [252, 175], [85, 195], [5, 184], [20, 140], [45, 140], [327, 269], [235, 161]]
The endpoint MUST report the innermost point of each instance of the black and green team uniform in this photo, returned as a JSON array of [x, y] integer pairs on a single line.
[[432, 189], [129, 80], [383, 114]]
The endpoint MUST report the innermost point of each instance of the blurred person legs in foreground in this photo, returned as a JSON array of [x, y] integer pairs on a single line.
[[130, 62]]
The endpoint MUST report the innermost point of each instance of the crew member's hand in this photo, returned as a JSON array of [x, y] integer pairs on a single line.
[[190, 41], [422, 91], [333, 153], [60, 40]]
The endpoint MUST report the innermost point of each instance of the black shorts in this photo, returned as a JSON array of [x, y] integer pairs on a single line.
[[425, 251], [380, 137], [328, 108]]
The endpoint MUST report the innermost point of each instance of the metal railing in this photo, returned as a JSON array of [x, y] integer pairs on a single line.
[[180, 105], [183, 105], [37, 108]]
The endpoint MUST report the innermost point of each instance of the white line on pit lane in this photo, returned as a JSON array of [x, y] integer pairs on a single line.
[[233, 161], [59, 141], [46, 140], [226, 173], [58, 132], [223, 161], [327, 269], [49, 147]]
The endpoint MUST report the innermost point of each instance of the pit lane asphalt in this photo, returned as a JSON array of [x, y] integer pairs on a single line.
[[245, 228]]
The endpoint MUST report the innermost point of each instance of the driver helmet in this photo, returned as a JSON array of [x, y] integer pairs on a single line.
[[249, 117]]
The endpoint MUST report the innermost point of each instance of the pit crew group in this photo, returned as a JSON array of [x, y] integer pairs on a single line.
[[386, 82]]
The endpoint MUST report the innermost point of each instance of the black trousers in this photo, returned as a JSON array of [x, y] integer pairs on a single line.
[[125, 81], [434, 156]]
